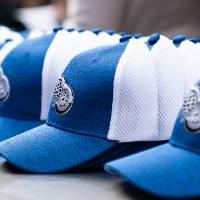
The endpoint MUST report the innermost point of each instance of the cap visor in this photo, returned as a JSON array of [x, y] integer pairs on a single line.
[[164, 171], [46, 149], [12, 127]]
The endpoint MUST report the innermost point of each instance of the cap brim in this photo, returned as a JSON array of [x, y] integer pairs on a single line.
[[11, 127], [164, 171], [46, 149]]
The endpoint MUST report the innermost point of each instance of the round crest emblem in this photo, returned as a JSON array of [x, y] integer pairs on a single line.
[[191, 109], [4, 86], [63, 96]]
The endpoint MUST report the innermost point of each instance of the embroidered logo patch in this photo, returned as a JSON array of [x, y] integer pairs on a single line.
[[4, 86], [63, 96], [191, 109]]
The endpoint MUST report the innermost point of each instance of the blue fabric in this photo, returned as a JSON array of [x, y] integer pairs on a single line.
[[23, 68], [11, 127], [170, 170], [96, 30], [91, 76], [25, 33], [110, 31], [46, 149], [153, 39], [183, 138], [125, 38], [57, 28], [178, 39], [194, 40], [164, 171]]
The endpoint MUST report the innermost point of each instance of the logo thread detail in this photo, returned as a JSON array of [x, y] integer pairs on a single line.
[[63, 96], [4, 87], [191, 109]]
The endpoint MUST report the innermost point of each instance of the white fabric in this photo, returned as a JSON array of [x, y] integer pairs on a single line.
[[149, 87], [170, 82], [64, 47], [134, 109], [105, 36], [190, 63]]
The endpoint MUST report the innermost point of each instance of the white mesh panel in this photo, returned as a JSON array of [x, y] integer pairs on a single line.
[[134, 108], [170, 85], [190, 57], [64, 47]]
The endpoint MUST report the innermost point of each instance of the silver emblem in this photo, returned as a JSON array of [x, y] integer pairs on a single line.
[[63, 96], [4, 86], [191, 109]]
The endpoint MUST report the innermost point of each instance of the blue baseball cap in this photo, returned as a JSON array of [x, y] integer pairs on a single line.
[[169, 170], [29, 74], [88, 122]]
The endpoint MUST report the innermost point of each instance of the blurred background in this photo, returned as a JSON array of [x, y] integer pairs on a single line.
[[135, 16]]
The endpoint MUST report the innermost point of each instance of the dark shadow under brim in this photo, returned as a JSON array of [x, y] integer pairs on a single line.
[[46, 149], [165, 171], [10, 127]]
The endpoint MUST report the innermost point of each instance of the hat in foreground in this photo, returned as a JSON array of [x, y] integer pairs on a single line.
[[169, 170], [103, 103], [86, 110]]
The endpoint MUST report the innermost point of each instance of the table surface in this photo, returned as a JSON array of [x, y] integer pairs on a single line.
[[17, 185]]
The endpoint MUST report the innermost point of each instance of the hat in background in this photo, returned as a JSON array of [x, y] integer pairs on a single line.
[[6, 33], [9, 39], [31, 70], [169, 170]]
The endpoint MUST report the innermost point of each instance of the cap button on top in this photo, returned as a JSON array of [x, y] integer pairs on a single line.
[[57, 28], [195, 40], [153, 39], [110, 32], [125, 38], [96, 30], [81, 30], [178, 39], [70, 29]]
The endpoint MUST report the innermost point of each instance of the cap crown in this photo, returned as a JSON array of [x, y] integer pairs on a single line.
[[91, 77]]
